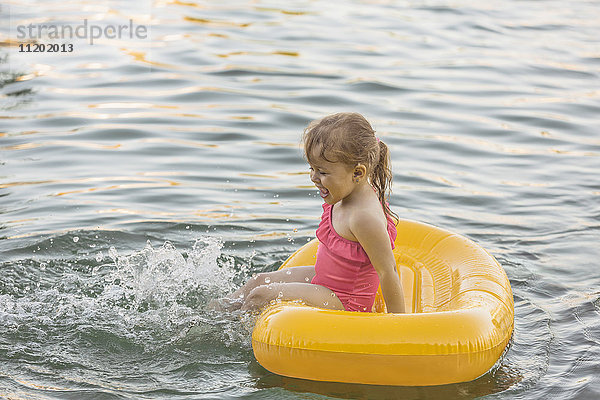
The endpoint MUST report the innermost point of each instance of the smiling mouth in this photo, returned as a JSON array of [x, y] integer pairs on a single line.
[[323, 192]]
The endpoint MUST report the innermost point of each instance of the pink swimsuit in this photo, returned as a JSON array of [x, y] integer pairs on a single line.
[[343, 265]]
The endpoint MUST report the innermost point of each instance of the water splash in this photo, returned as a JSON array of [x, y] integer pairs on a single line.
[[89, 317], [148, 299], [155, 278]]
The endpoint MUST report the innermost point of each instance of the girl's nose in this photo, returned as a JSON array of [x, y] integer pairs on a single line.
[[313, 176]]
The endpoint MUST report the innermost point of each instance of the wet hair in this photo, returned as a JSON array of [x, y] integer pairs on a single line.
[[349, 138]]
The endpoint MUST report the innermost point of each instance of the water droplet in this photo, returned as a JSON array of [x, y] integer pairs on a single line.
[[280, 294], [99, 256], [288, 272], [112, 252], [267, 279], [187, 227], [76, 239], [332, 294], [43, 266], [325, 303], [306, 279]]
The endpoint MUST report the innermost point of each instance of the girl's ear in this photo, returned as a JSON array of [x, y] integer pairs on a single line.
[[359, 172]]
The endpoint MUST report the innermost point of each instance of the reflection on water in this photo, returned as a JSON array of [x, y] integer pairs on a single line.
[[140, 178], [497, 381]]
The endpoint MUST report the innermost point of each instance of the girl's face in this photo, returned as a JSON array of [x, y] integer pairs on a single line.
[[334, 180]]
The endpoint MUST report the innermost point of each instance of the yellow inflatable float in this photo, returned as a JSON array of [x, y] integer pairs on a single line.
[[459, 323]]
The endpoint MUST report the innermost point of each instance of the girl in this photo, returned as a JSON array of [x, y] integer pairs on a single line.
[[351, 168]]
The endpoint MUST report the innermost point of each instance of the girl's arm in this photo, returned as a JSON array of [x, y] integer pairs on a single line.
[[374, 238]]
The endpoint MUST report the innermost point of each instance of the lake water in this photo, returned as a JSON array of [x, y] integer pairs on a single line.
[[142, 176]]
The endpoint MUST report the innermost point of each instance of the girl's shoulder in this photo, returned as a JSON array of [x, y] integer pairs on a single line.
[[369, 213], [373, 225]]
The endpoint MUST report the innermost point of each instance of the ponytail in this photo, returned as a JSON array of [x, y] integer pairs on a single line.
[[382, 178]]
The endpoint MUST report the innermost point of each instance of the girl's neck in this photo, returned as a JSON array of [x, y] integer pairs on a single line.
[[362, 190]]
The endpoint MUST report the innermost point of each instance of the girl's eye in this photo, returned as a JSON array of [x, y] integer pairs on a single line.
[[319, 172]]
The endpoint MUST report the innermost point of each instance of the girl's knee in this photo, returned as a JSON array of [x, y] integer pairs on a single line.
[[258, 296], [257, 280]]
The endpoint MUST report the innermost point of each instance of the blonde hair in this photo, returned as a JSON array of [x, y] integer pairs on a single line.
[[349, 138]]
